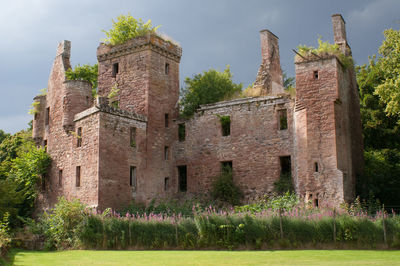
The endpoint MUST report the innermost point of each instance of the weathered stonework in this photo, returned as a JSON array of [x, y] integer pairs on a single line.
[[110, 156]]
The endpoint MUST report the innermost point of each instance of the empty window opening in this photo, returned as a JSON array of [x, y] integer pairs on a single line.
[[60, 177], [78, 176], [166, 68], [316, 202], [166, 183], [115, 69], [226, 167], [181, 132], [132, 176], [310, 197], [316, 74], [87, 100], [166, 153], [182, 178], [286, 165], [316, 167], [166, 119], [45, 145], [225, 125], [283, 123], [79, 137], [132, 138], [35, 116], [47, 117]]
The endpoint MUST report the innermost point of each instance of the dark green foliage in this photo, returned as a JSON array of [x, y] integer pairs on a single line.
[[210, 87], [10, 198], [181, 132], [224, 189], [381, 178], [3, 135], [225, 124], [284, 184], [121, 233]]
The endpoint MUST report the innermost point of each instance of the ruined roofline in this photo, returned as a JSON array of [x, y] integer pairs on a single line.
[[310, 59], [110, 110], [339, 15], [248, 100], [148, 41]]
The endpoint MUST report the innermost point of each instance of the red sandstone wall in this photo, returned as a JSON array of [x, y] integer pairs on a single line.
[[115, 158], [254, 146], [146, 88], [322, 133]]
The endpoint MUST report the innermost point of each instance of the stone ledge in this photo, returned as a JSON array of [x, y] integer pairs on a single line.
[[152, 41], [109, 110], [249, 100]]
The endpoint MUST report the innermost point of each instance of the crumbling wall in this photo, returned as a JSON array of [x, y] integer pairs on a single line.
[[254, 145]]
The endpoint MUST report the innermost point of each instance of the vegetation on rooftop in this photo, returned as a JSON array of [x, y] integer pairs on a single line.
[[85, 72], [324, 49], [126, 27]]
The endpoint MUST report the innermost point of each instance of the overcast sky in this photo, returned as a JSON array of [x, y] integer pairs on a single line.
[[212, 33]]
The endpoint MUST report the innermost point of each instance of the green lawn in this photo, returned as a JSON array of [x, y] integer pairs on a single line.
[[294, 257]]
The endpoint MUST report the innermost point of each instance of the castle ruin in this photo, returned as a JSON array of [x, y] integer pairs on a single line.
[[108, 156]]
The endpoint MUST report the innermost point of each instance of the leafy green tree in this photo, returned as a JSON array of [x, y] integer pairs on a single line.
[[22, 165], [10, 147], [380, 131], [381, 179], [3, 135], [126, 28], [381, 123], [10, 198], [389, 64], [210, 87], [85, 72]]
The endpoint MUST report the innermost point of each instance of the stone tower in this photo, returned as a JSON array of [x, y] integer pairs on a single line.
[[327, 128], [145, 70]]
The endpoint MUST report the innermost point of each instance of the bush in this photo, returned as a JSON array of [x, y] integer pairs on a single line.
[[126, 28], [225, 190], [63, 225]]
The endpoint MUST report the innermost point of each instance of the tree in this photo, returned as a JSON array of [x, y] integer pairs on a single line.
[[126, 28], [3, 135], [380, 131], [22, 166], [210, 87], [381, 123], [389, 64]]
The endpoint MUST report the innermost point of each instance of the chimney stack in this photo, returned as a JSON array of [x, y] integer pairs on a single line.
[[339, 32], [269, 77]]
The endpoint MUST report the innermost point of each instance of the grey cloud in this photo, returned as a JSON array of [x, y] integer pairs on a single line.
[[212, 34]]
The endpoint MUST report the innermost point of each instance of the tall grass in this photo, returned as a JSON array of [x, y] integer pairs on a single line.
[[269, 226]]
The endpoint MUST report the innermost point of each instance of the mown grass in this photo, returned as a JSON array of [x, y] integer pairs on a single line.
[[292, 257]]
